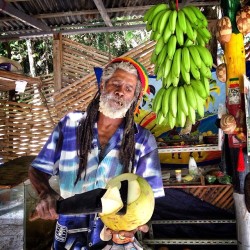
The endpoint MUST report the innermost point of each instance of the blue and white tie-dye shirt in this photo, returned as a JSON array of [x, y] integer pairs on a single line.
[[59, 157]]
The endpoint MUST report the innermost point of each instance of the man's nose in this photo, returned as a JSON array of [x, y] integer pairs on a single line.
[[119, 91]]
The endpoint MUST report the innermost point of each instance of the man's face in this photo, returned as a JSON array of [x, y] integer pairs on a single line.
[[118, 94]]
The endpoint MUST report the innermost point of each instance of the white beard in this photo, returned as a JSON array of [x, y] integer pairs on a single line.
[[113, 112]]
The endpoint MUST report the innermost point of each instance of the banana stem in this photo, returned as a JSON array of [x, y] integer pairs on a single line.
[[176, 5]]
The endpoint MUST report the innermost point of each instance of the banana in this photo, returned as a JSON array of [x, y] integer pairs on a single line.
[[171, 120], [182, 100], [205, 55], [156, 36], [200, 41], [158, 17], [194, 70], [190, 31], [166, 34], [159, 7], [185, 75], [174, 79], [199, 87], [148, 27], [206, 83], [200, 104], [179, 35], [160, 119], [181, 118], [191, 114], [151, 38], [167, 81], [205, 71], [173, 101], [153, 57], [157, 100], [172, 21], [181, 20], [171, 46], [176, 65], [205, 33], [195, 34], [156, 69], [148, 13], [161, 57], [188, 42], [199, 15], [191, 100], [159, 73], [162, 22], [185, 59], [195, 55], [165, 101], [159, 46], [190, 15], [166, 67]]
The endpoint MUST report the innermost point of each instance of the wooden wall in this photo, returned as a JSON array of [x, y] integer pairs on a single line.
[[26, 124]]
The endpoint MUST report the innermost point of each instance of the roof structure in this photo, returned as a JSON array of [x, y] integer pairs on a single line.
[[21, 19]]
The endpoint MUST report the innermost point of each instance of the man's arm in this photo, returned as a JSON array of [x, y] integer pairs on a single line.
[[46, 207]]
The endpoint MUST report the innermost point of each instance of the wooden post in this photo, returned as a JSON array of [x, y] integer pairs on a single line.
[[57, 61]]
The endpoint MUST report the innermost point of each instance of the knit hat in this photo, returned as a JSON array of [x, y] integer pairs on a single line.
[[142, 73]]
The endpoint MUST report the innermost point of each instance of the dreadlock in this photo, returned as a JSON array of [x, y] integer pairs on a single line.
[[85, 135]]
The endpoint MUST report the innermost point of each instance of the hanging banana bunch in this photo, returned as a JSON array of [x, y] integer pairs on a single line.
[[182, 62]]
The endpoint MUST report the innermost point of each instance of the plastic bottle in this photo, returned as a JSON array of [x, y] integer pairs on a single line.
[[192, 166]]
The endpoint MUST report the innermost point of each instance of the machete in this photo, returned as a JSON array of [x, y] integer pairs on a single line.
[[87, 203]]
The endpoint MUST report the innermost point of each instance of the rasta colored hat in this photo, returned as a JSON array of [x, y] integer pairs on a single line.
[[142, 73]]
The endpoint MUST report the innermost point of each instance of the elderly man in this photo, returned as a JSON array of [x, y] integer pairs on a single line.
[[87, 149]]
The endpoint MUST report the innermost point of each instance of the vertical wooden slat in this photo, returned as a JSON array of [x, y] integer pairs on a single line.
[[57, 61]]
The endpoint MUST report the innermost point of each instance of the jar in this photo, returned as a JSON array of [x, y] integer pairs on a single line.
[[178, 175]]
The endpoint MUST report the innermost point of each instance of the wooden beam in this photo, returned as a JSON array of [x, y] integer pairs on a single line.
[[100, 6], [73, 32], [16, 76], [57, 61], [16, 14]]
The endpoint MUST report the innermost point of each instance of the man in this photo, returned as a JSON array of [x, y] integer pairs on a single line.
[[87, 149]]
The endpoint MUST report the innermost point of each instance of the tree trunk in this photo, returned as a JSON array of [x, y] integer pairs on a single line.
[[31, 59]]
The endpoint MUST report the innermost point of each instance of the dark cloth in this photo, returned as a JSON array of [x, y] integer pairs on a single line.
[[179, 205]]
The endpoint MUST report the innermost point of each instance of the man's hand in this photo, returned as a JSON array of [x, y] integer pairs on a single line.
[[122, 237], [46, 208]]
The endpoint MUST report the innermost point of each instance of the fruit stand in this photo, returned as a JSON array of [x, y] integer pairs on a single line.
[[184, 65]]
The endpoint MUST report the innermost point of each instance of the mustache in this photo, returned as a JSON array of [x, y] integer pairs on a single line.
[[111, 97]]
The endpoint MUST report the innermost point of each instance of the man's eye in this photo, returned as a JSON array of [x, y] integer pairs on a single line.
[[115, 83]]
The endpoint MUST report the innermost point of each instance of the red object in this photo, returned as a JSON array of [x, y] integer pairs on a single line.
[[241, 162]]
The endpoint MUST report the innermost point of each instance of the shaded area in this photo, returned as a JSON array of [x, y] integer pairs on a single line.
[[178, 205]]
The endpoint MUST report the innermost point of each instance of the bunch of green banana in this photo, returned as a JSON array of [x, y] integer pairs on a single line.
[[181, 60], [174, 105]]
